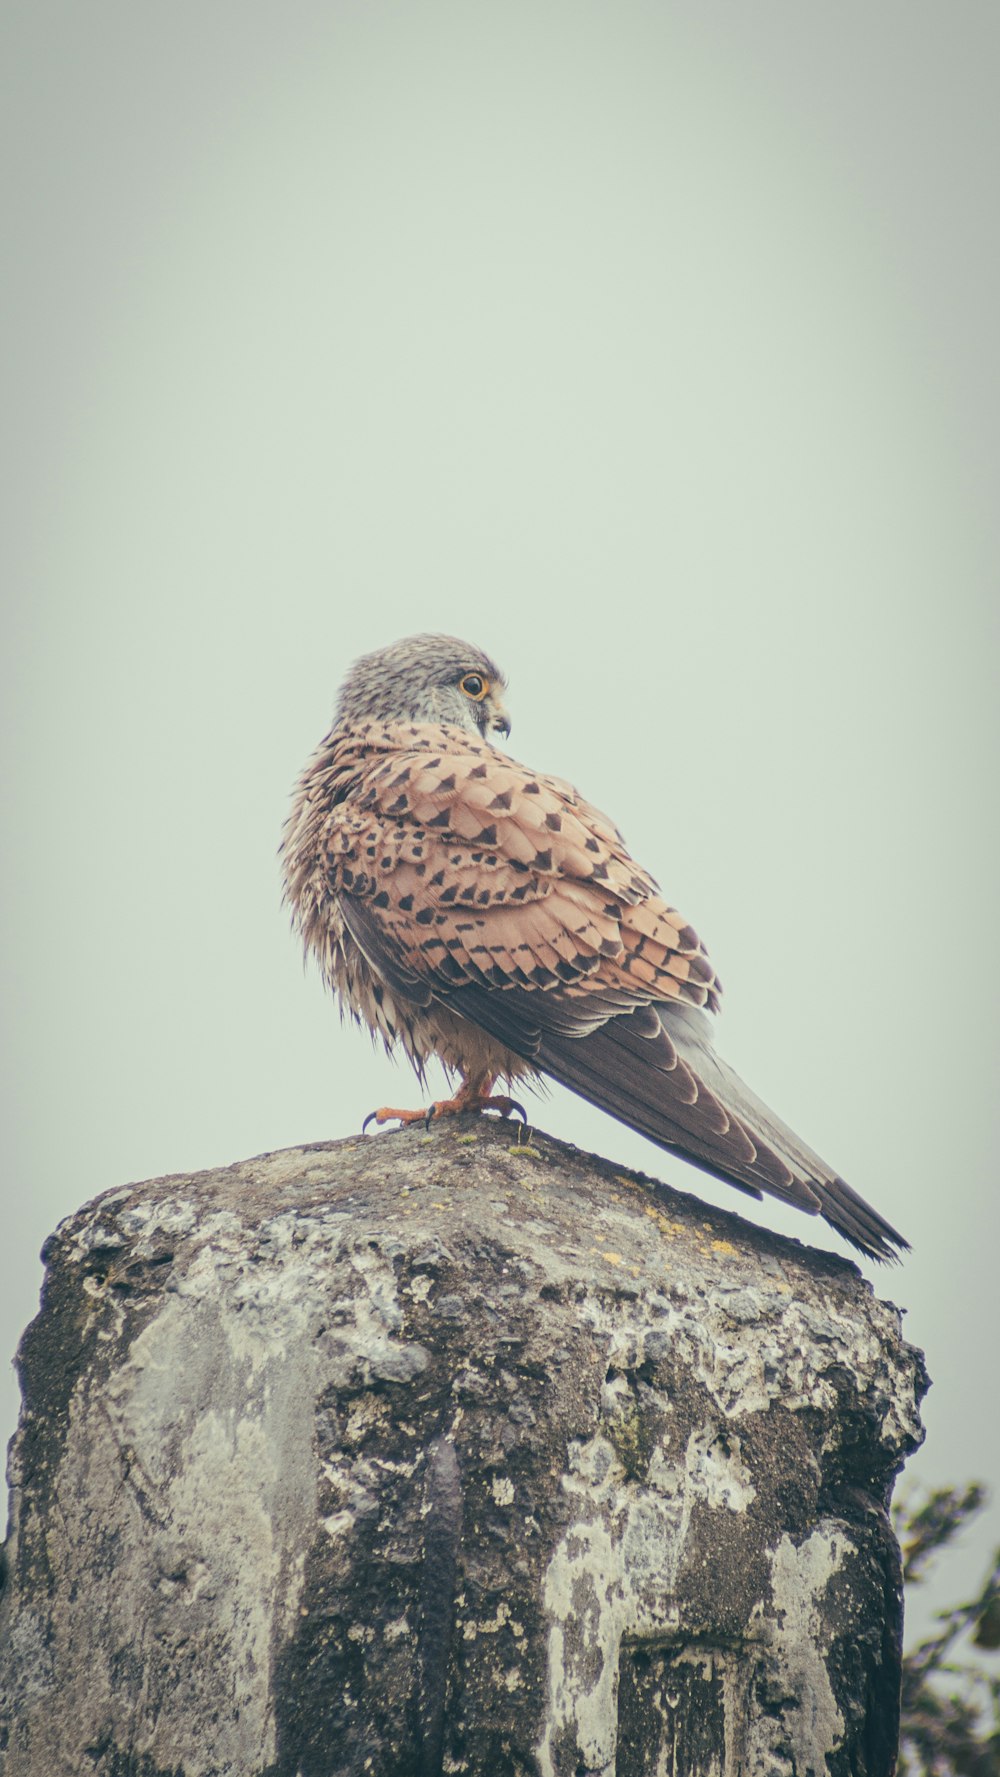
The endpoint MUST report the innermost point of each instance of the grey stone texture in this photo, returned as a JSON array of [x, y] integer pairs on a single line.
[[450, 1451]]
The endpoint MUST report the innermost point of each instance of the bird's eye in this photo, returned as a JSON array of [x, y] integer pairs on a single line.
[[474, 686]]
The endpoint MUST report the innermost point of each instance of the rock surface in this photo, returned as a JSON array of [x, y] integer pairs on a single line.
[[450, 1453]]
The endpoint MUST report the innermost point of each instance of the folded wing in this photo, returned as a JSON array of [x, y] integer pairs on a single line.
[[471, 882]]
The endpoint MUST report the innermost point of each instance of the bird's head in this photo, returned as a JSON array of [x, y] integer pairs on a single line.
[[426, 679]]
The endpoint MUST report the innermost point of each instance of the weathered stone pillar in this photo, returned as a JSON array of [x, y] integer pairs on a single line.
[[449, 1453]]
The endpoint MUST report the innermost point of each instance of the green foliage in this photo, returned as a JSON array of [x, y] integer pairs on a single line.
[[951, 1702]]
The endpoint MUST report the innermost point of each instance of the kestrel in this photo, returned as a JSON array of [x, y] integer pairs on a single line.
[[462, 905]]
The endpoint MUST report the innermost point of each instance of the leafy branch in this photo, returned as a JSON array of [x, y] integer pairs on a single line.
[[951, 1705]]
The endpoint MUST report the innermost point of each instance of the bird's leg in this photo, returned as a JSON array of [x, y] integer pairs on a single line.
[[474, 1094]]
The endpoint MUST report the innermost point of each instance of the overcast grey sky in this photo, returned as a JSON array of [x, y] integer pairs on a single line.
[[654, 348]]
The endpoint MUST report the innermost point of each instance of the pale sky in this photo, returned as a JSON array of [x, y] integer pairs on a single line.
[[651, 347]]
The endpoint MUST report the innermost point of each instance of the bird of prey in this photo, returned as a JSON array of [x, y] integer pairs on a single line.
[[463, 905]]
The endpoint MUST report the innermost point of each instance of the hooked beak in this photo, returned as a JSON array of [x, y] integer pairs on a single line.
[[499, 719]]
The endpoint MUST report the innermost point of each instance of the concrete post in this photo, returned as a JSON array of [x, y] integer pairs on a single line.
[[450, 1452]]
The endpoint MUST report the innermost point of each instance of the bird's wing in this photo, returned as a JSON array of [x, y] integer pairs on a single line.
[[470, 880], [477, 870]]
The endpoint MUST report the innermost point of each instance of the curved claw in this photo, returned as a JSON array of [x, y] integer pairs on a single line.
[[446, 1107], [503, 1105]]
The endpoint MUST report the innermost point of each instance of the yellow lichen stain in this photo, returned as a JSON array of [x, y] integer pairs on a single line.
[[665, 1227], [462, 1141], [633, 1184], [631, 1441], [524, 1148], [723, 1246], [492, 1625]]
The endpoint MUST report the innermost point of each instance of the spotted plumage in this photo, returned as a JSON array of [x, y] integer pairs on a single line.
[[464, 906]]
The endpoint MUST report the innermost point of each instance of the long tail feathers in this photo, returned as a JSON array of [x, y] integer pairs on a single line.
[[675, 1090], [656, 1070]]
